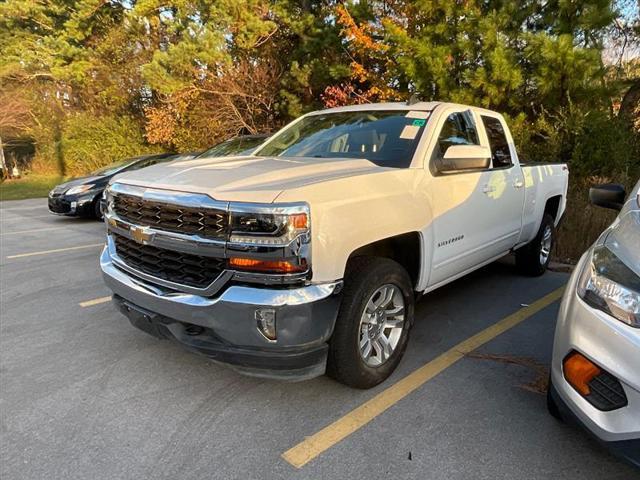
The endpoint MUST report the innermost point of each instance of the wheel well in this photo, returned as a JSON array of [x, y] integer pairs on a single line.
[[404, 249], [552, 206]]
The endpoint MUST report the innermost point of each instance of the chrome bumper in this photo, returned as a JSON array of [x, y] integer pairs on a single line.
[[305, 316]]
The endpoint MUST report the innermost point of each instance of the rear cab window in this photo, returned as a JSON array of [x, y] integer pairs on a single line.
[[500, 152]]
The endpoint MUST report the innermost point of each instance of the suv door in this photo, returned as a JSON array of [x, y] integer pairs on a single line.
[[469, 205]]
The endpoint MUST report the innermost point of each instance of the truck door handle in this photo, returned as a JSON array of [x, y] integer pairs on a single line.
[[488, 189], [518, 183]]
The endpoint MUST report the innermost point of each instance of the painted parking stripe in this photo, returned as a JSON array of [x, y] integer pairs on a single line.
[[13, 209], [56, 250], [95, 301], [313, 446], [22, 218], [35, 230]]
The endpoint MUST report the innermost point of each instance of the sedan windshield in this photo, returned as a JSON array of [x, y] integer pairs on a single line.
[[386, 138], [112, 168], [236, 146]]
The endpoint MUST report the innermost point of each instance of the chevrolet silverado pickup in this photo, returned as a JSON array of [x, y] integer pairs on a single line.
[[307, 256]]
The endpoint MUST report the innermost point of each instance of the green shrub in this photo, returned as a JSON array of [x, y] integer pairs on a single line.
[[84, 142], [591, 142], [89, 143]]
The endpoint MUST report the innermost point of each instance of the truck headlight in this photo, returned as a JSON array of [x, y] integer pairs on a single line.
[[79, 189], [607, 284], [268, 225]]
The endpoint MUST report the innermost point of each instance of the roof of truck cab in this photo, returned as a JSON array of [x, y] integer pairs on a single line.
[[421, 106], [383, 106]]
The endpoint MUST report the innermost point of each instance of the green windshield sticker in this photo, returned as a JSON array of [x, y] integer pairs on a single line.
[[419, 122]]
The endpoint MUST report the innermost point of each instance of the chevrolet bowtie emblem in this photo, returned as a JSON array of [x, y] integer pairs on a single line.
[[140, 235]]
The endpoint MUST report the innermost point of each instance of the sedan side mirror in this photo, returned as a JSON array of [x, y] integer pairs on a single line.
[[610, 195], [465, 157]]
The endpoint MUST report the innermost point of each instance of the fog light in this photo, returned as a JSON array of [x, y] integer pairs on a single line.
[[579, 371], [600, 388], [266, 320]]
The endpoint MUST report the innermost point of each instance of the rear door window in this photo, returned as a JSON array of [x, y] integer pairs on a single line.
[[500, 153]]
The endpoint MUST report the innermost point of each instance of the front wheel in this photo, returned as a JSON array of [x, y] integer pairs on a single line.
[[97, 210], [373, 324], [533, 258]]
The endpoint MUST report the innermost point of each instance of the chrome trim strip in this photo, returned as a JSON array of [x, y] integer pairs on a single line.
[[236, 294], [180, 242], [209, 290], [274, 208], [182, 199], [270, 278]]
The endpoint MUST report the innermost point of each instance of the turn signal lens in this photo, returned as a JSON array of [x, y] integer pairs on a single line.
[[579, 371], [299, 220], [266, 266]]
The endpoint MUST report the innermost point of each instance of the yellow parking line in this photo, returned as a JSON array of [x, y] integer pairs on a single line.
[[46, 252], [317, 443], [34, 230], [95, 301]]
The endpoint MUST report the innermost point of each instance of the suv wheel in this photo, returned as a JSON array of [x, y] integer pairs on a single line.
[[372, 328]]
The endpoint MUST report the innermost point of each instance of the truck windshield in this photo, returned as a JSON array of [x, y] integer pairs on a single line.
[[386, 138]]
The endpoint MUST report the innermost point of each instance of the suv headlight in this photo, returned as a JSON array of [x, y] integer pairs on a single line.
[[79, 189], [607, 284], [268, 225]]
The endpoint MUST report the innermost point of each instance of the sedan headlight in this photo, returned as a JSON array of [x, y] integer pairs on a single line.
[[268, 225], [79, 189], [607, 284]]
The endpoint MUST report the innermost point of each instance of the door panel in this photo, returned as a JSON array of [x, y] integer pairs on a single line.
[[477, 214], [459, 224]]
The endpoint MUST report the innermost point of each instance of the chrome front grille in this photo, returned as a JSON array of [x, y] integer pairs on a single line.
[[169, 265], [206, 222]]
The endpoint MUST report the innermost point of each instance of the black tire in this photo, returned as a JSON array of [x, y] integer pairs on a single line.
[[363, 277], [97, 213], [528, 257], [552, 406]]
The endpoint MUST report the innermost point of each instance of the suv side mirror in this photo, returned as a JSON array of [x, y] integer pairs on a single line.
[[610, 195], [465, 157]]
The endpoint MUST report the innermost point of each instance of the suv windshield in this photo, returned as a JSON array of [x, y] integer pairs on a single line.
[[386, 138]]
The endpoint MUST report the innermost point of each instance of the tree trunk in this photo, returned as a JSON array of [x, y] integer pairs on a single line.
[[3, 163]]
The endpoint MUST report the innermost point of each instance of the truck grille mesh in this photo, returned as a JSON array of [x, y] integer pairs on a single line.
[[183, 268], [205, 222]]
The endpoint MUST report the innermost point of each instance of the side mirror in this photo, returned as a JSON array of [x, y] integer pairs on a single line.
[[610, 195], [465, 157]]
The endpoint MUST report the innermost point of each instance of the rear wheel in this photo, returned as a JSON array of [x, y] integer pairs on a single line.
[[533, 258], [372, 328]]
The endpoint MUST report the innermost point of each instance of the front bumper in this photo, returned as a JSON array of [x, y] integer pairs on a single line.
[[229, 332], [613, 346], [71, 205]]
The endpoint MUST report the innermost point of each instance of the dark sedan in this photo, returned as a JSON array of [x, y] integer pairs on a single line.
[[81, 196]]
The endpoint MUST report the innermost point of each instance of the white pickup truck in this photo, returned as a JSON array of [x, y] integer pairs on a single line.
[[307, 255]]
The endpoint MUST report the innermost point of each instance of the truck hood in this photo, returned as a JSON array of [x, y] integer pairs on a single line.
[[246, 179]]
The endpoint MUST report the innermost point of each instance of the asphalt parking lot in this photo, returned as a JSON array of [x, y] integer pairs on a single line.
[[85, 395]]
